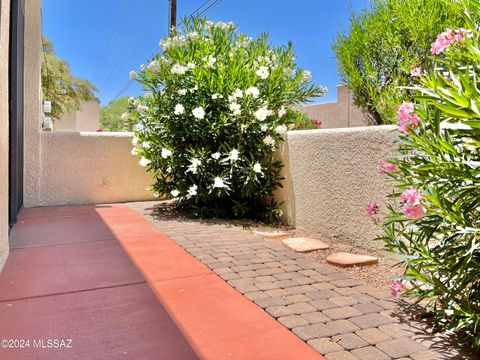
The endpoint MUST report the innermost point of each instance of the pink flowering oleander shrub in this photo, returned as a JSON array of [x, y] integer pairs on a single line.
[[434, 212], [217, 104]]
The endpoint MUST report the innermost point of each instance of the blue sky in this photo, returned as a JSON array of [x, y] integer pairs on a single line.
[[104, 39]]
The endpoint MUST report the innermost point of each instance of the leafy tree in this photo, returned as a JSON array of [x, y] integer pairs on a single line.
[[111, 118], [376, 55], [59, 85]]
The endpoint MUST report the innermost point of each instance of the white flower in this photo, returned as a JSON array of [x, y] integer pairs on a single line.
[[153, 66], [194, 164], [192, 191], [141, 108], [166, 153], [133, 75], [175, 193], [306, 75], [268, 140], [262, 113], [179, 109], [282, 111], [135, 151], [124, 116], [281, 129], [210, 61], [179, 69], [253, 91], [182, 92], [190, 65], [262, 72], [235, 108], [218, 183], [148, 95], [217, 96], [264, 127], [198, 112], [237, 93], [144, 161], [192, 35], [131, 99], [216, 155], [257, 168], [135, 140], [195, 88], [289, 72], [146, 145], [233, 156]]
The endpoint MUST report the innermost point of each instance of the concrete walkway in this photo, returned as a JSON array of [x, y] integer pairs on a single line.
[[70, 290], [334, 314]]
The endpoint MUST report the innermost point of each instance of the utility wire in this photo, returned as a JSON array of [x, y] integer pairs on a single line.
[[112, 42], [155, 52]]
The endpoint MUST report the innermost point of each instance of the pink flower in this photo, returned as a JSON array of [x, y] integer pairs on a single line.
[[415, 211], [411, 196], [449, 37], [417, 71], [407, 119], [384, 167], [99, 130], [372, 208], [395, 287]]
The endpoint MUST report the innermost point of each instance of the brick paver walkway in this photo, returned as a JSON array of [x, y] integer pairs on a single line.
[[338, 316]]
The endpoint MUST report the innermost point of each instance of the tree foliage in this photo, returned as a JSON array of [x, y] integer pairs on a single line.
[[59, 86], [376, 55], [112, 118]]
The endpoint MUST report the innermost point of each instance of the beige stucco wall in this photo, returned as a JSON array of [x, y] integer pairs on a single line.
[[89, 168], [331, 176], [87, 118], [4, 45], [337, 114]]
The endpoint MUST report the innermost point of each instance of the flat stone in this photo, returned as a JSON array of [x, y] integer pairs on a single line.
[[343, 312], [324, 346], [343, 259], [371, 320], [397, 330], [341, 355], [343, 326], [272, 234], [293, 321], [400, 347], [373, 335], [314, 331], [315, 317], [304, 244]]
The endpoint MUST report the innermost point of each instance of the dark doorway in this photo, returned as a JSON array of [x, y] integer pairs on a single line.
[[17, 20]]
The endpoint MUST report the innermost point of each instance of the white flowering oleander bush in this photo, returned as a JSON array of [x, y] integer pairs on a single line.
[[434, 214], [216, 106]]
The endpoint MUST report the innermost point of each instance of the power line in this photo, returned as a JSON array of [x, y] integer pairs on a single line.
[[155, 52], [112, 42]]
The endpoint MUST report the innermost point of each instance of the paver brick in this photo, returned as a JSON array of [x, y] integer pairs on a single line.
[[344, 259], [343, 300], [273, 301], [346, 291], [267, 285], [286, 275], [323, 304], [314, 331], [368, 308], [266, 278], [397, 348], [315, 317], [350, 341], [301, 308], [256, 295], [341, 355], [304, 244], [276, 293], [269, 271], [342, 312], [290, 268], [286, 283], [300, 289], [427, 355], [279, 311], [247, 274], [292, 321], [370, 353], [320, 278], [324, 346], [346, 283], [397, 330], [297, 298], [373, 335], [370, 320], [320, 294], [343, 326], [361, 298], [324, 286]]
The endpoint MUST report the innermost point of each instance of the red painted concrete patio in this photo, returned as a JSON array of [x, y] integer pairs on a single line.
[[106, 279]]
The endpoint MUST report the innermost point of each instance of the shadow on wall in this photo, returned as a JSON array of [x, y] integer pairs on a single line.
[[87, 118], [337, 114]]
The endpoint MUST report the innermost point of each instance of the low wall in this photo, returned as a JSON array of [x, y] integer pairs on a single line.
[[331, 176], [89, 168]]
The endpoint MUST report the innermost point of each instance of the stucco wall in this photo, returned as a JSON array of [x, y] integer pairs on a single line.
[[331, 176], [87, 118], [4, 45], [337, 114], [89, 168]]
